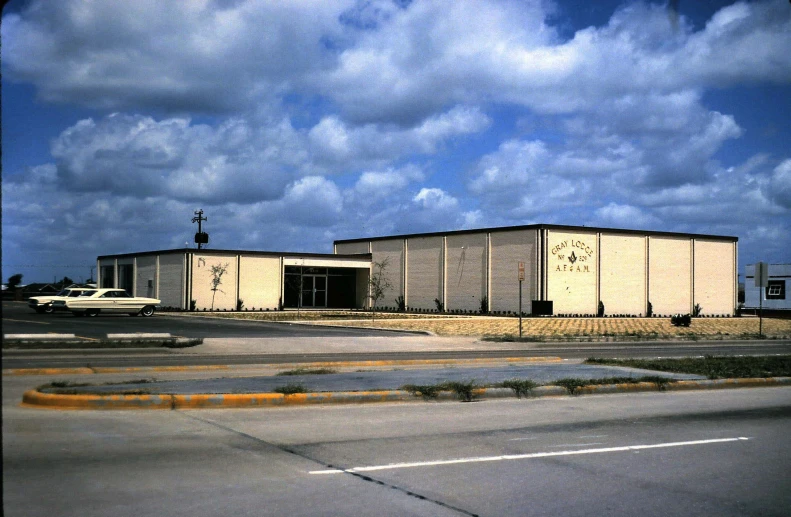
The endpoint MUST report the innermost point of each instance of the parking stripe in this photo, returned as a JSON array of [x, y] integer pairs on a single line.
[[525, 456]]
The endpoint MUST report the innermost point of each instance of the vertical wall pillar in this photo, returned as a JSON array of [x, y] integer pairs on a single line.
[[405, 272], [692, 276], [647, 272], [238, 278], [489, 269], [598, 272], [445, 272]]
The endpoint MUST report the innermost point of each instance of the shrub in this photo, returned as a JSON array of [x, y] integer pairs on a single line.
[[649, 311], [600, 312], [439, 304], [239, 304], [484, 305], [681, 320], [572, 384], [697, 310], [401, 303], [429, 391], [464, 390], [193, 303], [521, 387]]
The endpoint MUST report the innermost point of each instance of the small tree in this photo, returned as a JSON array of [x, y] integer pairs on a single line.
[[14, 281], [378, 284], [217, 271]]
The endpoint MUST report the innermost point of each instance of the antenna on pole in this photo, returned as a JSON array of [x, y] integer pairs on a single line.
[[201, 237]]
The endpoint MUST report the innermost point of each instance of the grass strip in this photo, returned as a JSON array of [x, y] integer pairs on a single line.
[[290, 389], [308, 371], [713, 367]]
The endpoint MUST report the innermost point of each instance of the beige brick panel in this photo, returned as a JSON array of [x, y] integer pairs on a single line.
[[508, 250], [571, 272], [225, 296], [669, 275], [146, 270], [466, 271], [350, 248], [623, 274], [715, 276], [171, 280], [259, 282], [393, 251], [424, 272]]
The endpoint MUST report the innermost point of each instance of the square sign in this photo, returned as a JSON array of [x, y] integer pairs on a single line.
[[761, 274], [521, 271]]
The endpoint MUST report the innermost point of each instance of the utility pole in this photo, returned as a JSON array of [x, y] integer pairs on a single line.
[[200, 237]]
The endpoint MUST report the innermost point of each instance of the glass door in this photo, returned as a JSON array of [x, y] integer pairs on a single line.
[[314, 290]]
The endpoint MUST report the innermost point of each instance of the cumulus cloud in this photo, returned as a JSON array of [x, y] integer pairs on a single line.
[[780, 185], [337, 144], [143, 157], [175, 56]]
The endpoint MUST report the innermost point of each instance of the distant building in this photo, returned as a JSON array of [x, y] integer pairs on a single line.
[[567, 270], [775, 295]]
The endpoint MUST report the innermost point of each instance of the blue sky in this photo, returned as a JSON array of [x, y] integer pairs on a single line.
[[292, 124]]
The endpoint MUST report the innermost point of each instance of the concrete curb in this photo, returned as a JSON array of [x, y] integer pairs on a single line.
[[280, 366], [113, 341], [37, 399]]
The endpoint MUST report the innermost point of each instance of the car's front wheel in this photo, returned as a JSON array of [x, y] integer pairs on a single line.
[[147, 311], [48, 309]]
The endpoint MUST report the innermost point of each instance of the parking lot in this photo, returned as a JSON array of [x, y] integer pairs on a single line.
[[18, 318]]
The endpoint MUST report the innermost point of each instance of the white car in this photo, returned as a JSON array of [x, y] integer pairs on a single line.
[[42, 304], [94, 301]]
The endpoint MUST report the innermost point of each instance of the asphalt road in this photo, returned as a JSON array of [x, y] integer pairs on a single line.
[[18, 318], [721, 453]]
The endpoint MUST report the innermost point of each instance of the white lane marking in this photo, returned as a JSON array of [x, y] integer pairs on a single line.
[[28, 321], [525, 456]]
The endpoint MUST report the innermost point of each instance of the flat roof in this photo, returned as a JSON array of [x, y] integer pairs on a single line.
[[289, 254], [541, 227]]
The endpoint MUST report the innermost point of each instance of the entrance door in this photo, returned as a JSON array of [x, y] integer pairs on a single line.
[[314, 290]]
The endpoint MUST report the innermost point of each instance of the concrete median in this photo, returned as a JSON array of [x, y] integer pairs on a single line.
[[71, 401]]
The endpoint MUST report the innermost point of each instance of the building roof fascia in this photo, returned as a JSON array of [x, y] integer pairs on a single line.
[[288, 254], [543, 227]]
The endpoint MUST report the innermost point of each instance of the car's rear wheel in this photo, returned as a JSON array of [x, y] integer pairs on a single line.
[[39, 310], [147, 311], [92, 312], [48, 309]]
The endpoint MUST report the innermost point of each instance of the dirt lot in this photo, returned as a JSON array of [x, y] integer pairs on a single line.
[[541, 328]]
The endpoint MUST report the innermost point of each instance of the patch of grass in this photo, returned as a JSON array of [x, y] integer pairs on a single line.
[[291, 389], [521, 387], [573, 384], [465, 390], [713, 367], [62, 384], [308, 371], [513, 339]]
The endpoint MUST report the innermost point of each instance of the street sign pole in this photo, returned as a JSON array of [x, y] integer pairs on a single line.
[[521, 279], [761, 281]]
